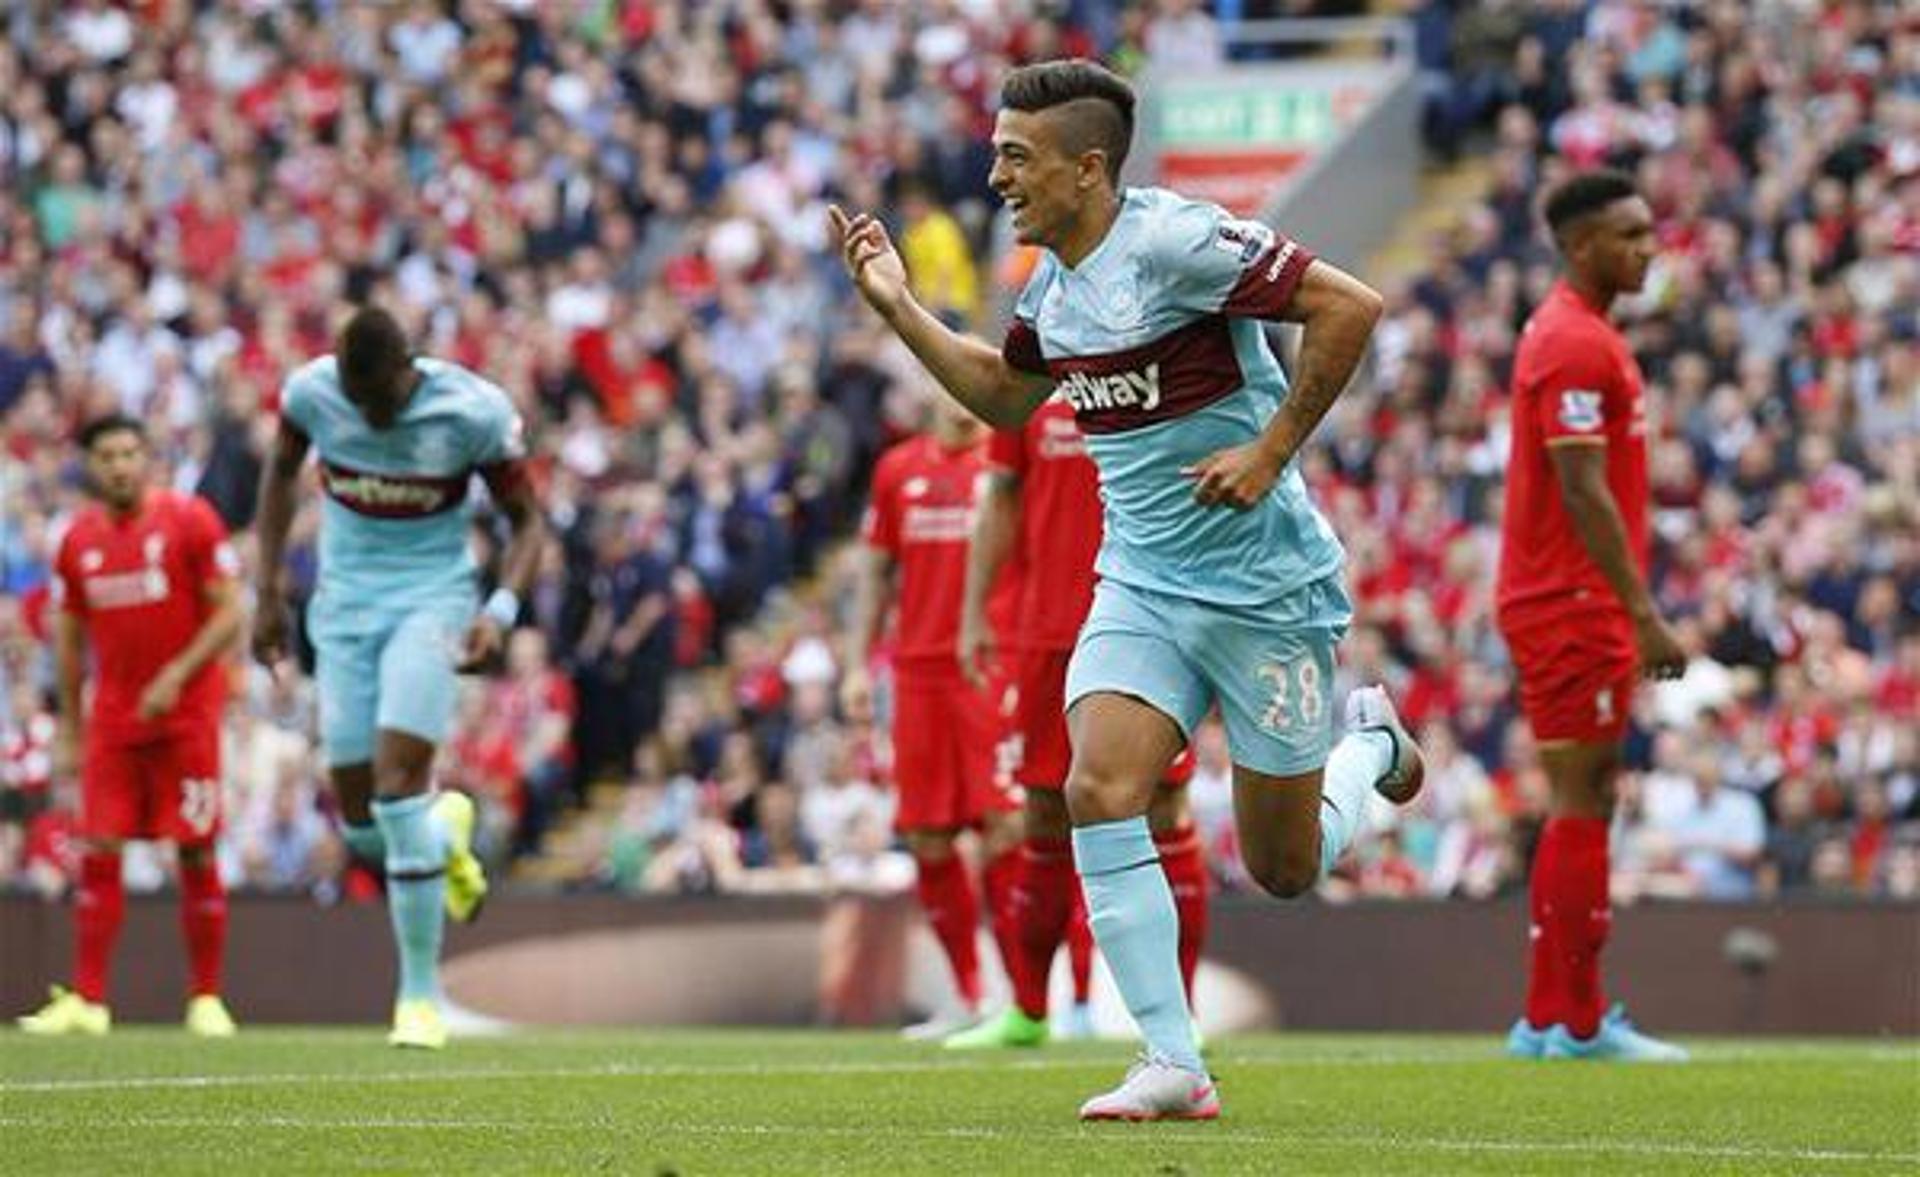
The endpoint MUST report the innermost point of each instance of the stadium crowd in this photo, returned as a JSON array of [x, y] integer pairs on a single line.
[[616, 211]]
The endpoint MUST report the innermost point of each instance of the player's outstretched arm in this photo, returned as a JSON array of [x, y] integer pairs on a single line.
[[972, 369], [996, 521], [1337, 313], [272, 521], [1581, 470]]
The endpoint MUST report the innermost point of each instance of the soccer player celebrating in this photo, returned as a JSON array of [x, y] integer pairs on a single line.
[[399, 438], [144, 577], [944, 728], [1041, 504], [1573, 603], [1219, 580]]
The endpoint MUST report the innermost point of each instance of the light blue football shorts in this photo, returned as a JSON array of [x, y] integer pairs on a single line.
[[1269, 666], [386, 670]]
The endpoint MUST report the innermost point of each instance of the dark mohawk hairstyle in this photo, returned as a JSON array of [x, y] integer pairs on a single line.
[[1097, 103]]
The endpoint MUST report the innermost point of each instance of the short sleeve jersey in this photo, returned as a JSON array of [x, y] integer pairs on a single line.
[[393, 528], [921, 515], [138, 586], [1060, 530], [1575, 382], [1154, 340]]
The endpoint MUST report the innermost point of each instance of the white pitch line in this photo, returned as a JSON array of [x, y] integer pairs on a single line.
[[1194, 1135], [648, 1071], [608, 1071], [1227, 1064]]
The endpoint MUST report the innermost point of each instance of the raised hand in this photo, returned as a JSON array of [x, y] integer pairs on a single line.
[[870, 258]]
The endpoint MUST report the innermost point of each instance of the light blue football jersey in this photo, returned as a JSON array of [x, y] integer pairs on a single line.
[[1154, 340], [393, 526]]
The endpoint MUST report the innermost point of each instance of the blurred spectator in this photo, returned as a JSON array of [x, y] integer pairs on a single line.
[[1713, 842], [532, 709], [23, 358], [777, 855], [622, 655], [1386, 872], [939, 261], [1182, 36], [619, 220], [285, 844]]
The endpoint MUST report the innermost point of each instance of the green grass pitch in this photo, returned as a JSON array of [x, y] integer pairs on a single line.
[[286, 1101]]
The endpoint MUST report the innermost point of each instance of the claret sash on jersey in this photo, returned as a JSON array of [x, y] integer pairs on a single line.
[[392, 496]]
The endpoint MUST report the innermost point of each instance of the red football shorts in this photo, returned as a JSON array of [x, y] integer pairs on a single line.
[[1035, 714], [944, 738], [167, 788], [1576, 676]]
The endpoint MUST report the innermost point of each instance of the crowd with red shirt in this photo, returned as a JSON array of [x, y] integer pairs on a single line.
[[1779, 147], [615, 211]]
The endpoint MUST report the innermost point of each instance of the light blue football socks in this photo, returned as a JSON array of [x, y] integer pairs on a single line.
[[416, 858], [1359, 760], [1130, 908]]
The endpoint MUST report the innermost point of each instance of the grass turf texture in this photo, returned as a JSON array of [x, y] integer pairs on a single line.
[[287, 1101]]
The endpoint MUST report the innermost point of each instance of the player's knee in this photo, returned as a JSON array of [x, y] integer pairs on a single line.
[[1046, 818], [1285, 874], [194, 855], [399, 779], [1001, 832], [1586, 799], [931, 845], [1097, 793], [1169, 812]]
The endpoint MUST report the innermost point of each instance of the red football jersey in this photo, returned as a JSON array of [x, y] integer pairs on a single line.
[[139, 586], [1059, 524], [921, 514], [1574, 383]]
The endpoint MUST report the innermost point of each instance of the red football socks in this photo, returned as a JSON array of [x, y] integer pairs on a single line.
[[946, 894], [1186, 866], [1571, 917], [999, 879], [98, 911], [203, 923], [1043, 901], [1080, 948]]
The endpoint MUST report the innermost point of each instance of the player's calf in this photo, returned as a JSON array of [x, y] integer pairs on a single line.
[[1286, 872]]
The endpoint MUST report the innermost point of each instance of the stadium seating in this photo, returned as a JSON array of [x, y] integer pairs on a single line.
[[616, 211]]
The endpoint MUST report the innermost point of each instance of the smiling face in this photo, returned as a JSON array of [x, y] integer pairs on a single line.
[[1048, 188]]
